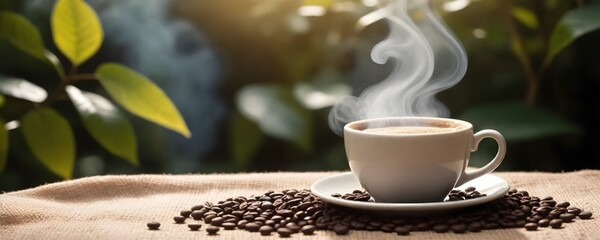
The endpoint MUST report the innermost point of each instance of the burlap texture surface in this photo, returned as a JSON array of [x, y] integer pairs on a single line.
[[118, 207]]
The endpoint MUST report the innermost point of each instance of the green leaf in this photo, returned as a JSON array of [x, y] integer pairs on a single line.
[[76, 30], [21, 33], [1, 100], [526, 17], [140, 96], [276, 112], [3, 144], [245, 139], [571, 26], [50, 139], [105, 123], [20, 88], [518, 121]]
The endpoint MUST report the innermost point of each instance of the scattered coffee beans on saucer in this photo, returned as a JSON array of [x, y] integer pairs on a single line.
[[294, 211], [454, 195]]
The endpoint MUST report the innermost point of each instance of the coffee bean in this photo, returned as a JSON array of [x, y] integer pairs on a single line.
[[563, 205], [531, 226], [567, 217], [153, 225], [197, 207], [185, 213], [265, 230], [284, 232], [217, 221], [441, 228], [574, 210], [470, 189], [459, 228], [544, 223], [585, 215], [179, 219], [293, 227], [475, 227], [212, 230], [403, 231], [194, 226], [556, 223], [340, 229], [207, 219], [308, 229], [423, 226], [197, 214], [228, 226], [252, 227], [389, 227]]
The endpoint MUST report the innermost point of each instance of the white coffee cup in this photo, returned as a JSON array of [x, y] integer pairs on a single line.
[[420, 164]]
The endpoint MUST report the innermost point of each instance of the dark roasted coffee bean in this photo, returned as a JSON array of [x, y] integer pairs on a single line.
[[401, 230], [531, 226], [197, 207], [293, 227], [267, 205], [265, 230], [475, 227], [357, 225], [376, 223], [185, 213], [340, 229], [551, 203], [242, 224], [563, 205], [585, 215], [441, 228], [179, 219], [197, 214], [228, 226], [574, 210], [423, 226], [284, 232], [556, 223], [389, 227], [308, 229], [544, 223], [459, 228], [153, 225], [252, 227], [470, 189], [194, 226], [567, 217], [212, 230], [217, 221]]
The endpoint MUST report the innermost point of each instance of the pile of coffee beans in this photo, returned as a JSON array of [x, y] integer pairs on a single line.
[[299, 212]]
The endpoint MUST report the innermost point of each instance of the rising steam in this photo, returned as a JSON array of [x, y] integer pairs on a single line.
[[427, 59]]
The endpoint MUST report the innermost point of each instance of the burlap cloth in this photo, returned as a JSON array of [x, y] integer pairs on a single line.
[[118, 207]]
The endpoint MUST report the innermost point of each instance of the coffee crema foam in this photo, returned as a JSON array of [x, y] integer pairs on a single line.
[[408, 130], [422, 128]]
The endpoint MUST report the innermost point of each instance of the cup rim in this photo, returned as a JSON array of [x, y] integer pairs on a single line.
[[348, 127]]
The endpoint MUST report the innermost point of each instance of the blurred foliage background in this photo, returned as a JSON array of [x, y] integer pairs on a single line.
[[255, 80]]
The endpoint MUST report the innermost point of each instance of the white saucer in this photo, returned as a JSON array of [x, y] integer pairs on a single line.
[[494, 187]]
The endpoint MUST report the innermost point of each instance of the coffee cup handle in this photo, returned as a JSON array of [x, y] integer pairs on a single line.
[[492, 165]]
